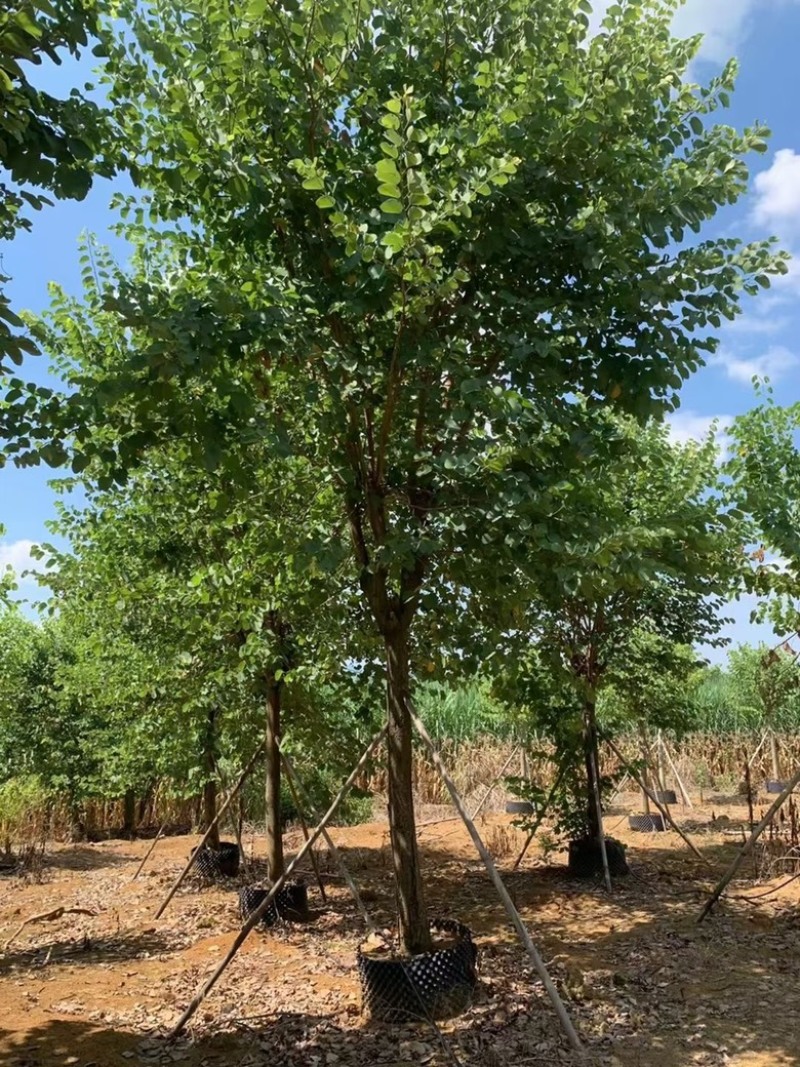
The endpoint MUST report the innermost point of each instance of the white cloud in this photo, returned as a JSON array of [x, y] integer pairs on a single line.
[[777, 192], [17, 555], [723, 23], [775, 363], [685, 426], [688, 425], [757, 324]]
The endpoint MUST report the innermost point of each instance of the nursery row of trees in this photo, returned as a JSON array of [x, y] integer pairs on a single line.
[[378, 398]]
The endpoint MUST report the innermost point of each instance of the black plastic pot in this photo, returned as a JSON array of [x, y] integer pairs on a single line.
[[433, 985], [290, 903], [775, 787], [222, 862], [647, 824], [586, 858], [519, 807]]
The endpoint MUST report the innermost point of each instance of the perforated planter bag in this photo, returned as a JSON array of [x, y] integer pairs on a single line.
[[586, 857], [432, 985], [214, 863], [290, 903], [647, 824]]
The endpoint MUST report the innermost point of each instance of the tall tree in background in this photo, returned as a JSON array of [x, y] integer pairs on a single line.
[[394, 239]]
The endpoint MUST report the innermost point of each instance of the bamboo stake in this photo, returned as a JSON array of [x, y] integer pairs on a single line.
[[660, 807], [684, 793], [758, 749], [256, 915], [540, 817], [620, 787], [303, 824], [747, 847], [337, 856], [193, 856], [476, 812], [507, 902], [491, 788], [47, 916], [149, 852]]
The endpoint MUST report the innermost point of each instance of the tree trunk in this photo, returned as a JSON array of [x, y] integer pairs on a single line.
[[129, 813], [411, 911], [661, 764], [774, 756], [591, 753], [645, 767], [210, 786], [272, 784]]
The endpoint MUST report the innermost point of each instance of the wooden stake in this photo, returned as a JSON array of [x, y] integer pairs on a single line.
[[296, 799], [758, 749], [256, 915], [687, 800], [620, 787], [491, 788], [507, 902], [193, 856], [149, 852], [337, 856], [47, 916], [665, 813], [747, 847], [540, 817]]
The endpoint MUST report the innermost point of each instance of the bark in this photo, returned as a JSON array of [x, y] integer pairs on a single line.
[[591, 754], [411, 910], [774, 756], [645, 768], [129, 813], [272, 784], [210, 786], [210, 812]]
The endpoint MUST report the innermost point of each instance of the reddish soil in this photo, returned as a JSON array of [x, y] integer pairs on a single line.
[[645, 984]]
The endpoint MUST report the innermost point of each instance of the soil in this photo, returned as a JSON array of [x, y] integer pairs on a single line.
[[645, 984]]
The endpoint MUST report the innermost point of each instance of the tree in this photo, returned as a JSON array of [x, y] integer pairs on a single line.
[[393, 240], [764, 468], [639, 556], [46, 144], [217, 592]]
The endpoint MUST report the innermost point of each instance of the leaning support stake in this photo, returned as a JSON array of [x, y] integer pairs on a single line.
[[492, 787], [303, 823], [149, 852], [651, 796], [540, 816], [260, 911], [193, 856], [291, 776], [747, 847], [508, 904], [687, 800]]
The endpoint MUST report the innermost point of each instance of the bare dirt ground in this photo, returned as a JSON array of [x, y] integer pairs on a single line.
[[645, 984]]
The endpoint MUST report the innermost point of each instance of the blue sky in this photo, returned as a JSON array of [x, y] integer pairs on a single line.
[[764, 34]]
